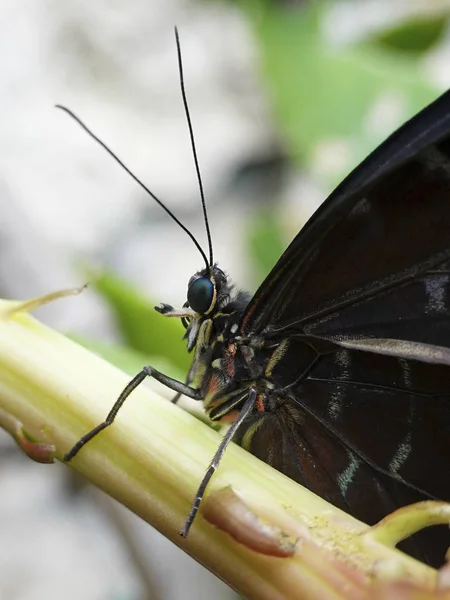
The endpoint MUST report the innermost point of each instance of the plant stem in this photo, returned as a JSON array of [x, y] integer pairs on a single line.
[[153, 457]]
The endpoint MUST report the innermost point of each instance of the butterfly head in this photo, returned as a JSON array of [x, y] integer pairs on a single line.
[[208, 291], [205, 290]]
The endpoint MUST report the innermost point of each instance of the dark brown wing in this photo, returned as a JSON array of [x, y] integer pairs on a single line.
[[369, 274], [297, 444], [367, 237]]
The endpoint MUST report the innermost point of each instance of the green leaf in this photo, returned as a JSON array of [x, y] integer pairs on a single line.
[[142, 328], [265, 243], [415, 35], [321, 92]]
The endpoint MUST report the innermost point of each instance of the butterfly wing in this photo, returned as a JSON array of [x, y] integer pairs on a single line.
[[370, 274], [296, 443], [367, 237]]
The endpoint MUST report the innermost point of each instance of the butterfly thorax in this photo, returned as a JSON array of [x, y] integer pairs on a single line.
[[225, 364]]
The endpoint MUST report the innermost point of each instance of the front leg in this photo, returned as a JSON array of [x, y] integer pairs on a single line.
[[189, 379], [173, 384], [147, 371]]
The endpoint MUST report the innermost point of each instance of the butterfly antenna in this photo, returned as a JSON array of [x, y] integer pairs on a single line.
[[138, 181], [194, 151]]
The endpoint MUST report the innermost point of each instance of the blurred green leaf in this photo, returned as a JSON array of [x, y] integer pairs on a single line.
[[142, 328], [322, 92], [415, 36], [265, 243]]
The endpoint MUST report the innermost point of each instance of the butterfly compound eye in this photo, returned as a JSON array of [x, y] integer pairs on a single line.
[[200, 295]]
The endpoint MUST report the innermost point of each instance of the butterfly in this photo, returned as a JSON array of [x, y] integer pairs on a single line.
[[336, 372]]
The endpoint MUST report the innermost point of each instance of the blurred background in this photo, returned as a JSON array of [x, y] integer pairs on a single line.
[[286, 97]]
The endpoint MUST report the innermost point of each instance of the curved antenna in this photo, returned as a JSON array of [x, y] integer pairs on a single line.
[[194, 151], [138, 181]]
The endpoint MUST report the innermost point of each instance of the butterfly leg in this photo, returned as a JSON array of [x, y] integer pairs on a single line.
[[246, 410], [177, 386], [175, 399], [189, 379]]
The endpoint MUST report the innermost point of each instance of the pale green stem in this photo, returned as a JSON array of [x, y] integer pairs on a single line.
[[154, 456]]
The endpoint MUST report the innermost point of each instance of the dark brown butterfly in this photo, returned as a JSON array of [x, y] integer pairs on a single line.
[[337, 371]]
